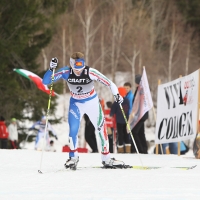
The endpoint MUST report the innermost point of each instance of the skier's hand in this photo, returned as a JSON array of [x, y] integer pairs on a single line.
[[118, 98], [53, 63], [30, 129], [56, 137]]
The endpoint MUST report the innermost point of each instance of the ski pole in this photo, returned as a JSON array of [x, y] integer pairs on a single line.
[[47, 115], [129, 129]]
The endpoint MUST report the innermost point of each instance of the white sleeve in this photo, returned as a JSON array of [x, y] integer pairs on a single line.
[[98, 76]]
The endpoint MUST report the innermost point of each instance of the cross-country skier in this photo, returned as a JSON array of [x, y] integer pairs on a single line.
[[40, 125], [80, 79]]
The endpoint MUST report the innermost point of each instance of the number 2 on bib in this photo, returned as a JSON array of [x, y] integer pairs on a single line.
[[79, 88]]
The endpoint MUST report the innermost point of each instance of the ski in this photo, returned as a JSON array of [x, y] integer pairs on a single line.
[[139, 167], [150, 167], [185, 168], [145, 167], [63, 169], [122, 167]]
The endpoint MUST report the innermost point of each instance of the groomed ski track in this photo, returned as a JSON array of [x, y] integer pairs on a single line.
[[20, 178]]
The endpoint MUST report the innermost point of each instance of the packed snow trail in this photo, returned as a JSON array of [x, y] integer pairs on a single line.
[[20, 179]]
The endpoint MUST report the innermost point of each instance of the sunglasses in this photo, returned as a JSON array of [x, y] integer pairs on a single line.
[[79, 64]]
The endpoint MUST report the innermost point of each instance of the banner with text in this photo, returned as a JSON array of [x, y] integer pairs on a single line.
[[177, 109]]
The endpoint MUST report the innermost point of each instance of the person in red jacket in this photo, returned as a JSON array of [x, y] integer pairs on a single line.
[[3, 134]]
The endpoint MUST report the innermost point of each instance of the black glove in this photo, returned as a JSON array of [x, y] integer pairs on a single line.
[[56, 137], [53, 63], [29, 129], [118, 98]]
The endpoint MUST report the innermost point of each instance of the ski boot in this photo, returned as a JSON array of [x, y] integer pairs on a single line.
[[112, 163], [72, 163]]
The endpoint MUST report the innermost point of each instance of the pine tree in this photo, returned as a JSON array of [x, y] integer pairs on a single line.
[[26, 26]]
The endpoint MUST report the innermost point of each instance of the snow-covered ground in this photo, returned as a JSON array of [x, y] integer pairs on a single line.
[[20, 180]]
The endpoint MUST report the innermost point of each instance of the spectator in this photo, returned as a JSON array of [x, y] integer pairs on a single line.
[[13, 134], [110, 125], [123, 136], [51, 147], [170, 148], [196, 146], [90, 136], [129, 95], [3, 134], [41, 132], [138, 130]]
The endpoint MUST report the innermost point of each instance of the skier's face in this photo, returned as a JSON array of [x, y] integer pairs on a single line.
[[77, 72]]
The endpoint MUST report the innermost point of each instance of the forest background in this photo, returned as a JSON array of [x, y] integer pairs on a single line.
[[115, 36]]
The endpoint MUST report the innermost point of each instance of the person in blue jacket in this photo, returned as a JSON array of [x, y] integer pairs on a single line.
[[129, 95]]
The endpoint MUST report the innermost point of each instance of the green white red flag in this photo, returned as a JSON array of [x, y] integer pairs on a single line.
[[35, 78]]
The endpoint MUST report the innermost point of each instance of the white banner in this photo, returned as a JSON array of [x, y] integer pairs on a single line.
[[143, 101], [177, 109]]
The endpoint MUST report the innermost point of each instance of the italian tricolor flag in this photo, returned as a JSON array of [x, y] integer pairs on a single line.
[[35, 78]]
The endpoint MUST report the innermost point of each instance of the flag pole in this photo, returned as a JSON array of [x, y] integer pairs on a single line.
[[154, 113], [179, 143], [129, 129]]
